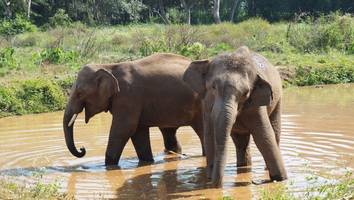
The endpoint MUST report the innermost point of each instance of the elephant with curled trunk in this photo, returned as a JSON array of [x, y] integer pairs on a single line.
[[241, 94], [139, 94]]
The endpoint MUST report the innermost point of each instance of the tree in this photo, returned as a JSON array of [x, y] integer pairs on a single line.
[[188, 5], [29, 8], [162, 12], [216, 11], [234, 8]]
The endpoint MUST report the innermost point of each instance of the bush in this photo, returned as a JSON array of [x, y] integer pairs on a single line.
[[333, 31], [193, 51], [323, 75], [31, 96], [16, 26], [219, 48], [7, 60], [60, 18], [57, 55], [26, 40], [175, 16]]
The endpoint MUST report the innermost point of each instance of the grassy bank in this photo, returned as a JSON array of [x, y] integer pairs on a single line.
[[339, 188], [40, 66], [38, 191]]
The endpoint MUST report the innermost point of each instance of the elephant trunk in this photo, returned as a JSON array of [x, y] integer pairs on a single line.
[[68, 124], [224, 121]]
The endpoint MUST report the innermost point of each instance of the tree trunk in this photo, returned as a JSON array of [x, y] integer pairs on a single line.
[[187, 7], [234, 8], [162, 12], [216, 11], [29, 9]]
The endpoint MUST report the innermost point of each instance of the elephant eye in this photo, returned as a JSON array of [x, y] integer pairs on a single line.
[[79, 95]]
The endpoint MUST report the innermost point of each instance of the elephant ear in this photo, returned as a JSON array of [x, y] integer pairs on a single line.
[[262, 92], [107, 84], [195, 76]]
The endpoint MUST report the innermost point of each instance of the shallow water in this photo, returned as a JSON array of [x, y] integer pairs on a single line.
[[317, 137]]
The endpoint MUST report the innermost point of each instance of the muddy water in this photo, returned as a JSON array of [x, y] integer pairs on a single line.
[[317, 137]]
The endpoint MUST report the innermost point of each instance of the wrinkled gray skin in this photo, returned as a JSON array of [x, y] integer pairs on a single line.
[[139, 94], [241, 94]]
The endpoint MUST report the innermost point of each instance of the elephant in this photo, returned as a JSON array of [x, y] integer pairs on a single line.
[[241, 95], [139, 94]]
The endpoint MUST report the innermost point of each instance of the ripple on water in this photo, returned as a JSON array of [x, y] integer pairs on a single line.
[[314, 140]]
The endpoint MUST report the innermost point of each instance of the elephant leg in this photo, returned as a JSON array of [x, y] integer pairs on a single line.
[[264, 137], [275, 120], [141, 142], [122, 129], [198, 129], [170, 140], [242, 141]]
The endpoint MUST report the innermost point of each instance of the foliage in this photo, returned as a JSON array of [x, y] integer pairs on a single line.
[[327, 32], [57, 55], [279, 192], [39, 190], [16, 26], [7, 60], [194, 51], [342, 188], [60, 18], [127, 11], [323, 75], [31, 96]]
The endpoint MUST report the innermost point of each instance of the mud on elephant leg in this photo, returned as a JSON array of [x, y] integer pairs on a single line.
[[170, 140], [242, 141], [142, 145]]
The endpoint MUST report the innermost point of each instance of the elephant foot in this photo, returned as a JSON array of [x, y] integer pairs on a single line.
[[109, 161], [146, 159], [145, 162], [272, 180], [173, 150], [278, 177]]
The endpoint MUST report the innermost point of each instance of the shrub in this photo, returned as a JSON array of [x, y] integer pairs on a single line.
[[33, 96], [9, 104], [193, 51], [323, 75], [16, 26], [60, 18], [333, 31], [149, 46], [40, 95], [7, 60], [57, 55], [219, 48], [175, 16], [26, 40]]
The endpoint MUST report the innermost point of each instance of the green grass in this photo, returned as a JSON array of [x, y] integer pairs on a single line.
[[315, 52], [37, 191], [332, 189]]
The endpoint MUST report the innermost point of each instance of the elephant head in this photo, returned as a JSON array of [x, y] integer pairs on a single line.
[[228, 84], [93, 91]]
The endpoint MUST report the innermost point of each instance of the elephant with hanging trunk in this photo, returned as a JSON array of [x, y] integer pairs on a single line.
[[139, 94], [241, 95]]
